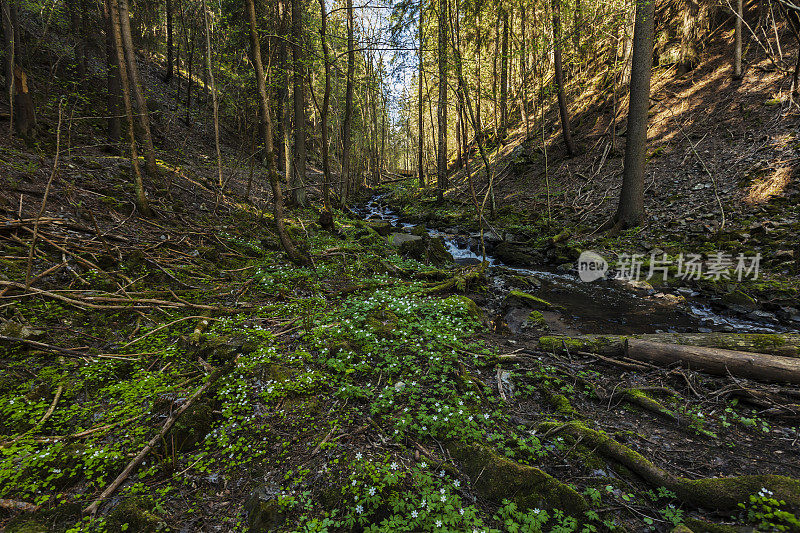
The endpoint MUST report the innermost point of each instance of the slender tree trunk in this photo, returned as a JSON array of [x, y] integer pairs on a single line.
[[136, 86], [348, 106], [737, 47], [631, 200], [297, 179], [326, 98], [523, 72], [504, 64], [190, 79], [112, 81], [169, 72], [117, 23], [75, 21], [420, 134], [284, 91], [209, 65], [286, 241], [559, 73], [577, 26], [441, 164]]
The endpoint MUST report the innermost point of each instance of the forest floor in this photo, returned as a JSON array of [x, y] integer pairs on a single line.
[[360, 393]]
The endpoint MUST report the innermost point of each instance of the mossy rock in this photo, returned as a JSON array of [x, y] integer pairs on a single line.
[[536, 318], [46, 520], [701, 526], [727, 493], [133, 514], [428, 251], [496, 478], [523, 299], [192, 427], [738, 297], [382, 322], [216, 349], [517, 255], [264, 513], [468, 305]]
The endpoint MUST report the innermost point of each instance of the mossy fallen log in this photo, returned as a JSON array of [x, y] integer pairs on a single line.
[[722, 494], [711, 359], [782, 344], [496, 478]]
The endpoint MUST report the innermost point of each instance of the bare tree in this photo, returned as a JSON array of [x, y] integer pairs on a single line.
[[326, 99], [136, 86], [286, 241], [420, 134], [559, 73], [215, 105], [117, 23]]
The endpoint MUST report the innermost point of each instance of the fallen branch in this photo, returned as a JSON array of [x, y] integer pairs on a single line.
[[92, 509], [62, 351]]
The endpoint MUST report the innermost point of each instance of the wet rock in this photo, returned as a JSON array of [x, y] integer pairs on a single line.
[[427, 250], [419, 230], [381, 228], [739, 298], [517, 255], [397, 239]]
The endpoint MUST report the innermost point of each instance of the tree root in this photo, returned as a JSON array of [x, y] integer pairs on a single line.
[[458, 281], [722, 494], [494, 477]]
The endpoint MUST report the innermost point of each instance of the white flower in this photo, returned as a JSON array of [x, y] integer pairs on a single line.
[[461, 512], [355, 482], [393, 466], [438, 523], [456, 483], [441, 491], [358, 455], [486, 416], [413, 514], [372, 491], [441, 474], [359, 509], [537, 511], [444, 498]]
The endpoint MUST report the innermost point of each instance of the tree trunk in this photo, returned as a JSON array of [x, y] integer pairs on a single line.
[[559, 73], [630, 211], [136, 86], [80, 49], [190, 60], [523, 72], [168, 74], [717, 361], [206, 15], [420, 134], [286, 241], [504, 64], [441, 163], [326, 98], [348, 106], [117, 23], [113, 96], [297, 178]]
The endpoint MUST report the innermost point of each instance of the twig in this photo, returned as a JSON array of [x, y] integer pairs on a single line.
[[62, 351]]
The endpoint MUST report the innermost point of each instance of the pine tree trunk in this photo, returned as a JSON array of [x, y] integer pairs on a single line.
[[630, 211], [559, 74], [168, 74], [136, 86], [420, 134], [297, 178], [348, 107], [326, 98], [504, 64], [737, 47], [113, 95], [441, 163], [214, 103]]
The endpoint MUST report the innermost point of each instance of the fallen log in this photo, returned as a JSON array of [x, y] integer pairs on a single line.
[[761, 367], [783, 344]]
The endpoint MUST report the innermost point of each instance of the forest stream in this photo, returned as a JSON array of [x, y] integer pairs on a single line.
[[606, 306]]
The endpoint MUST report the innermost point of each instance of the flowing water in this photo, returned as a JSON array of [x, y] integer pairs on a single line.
[[602, 306]]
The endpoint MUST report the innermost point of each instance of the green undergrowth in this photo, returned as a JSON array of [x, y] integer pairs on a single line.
[[357, 400]]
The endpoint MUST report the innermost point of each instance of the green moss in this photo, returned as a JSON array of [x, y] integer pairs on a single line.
[[637, 397], [727, 493], [468, 305], [561, 403], [528, 300], [136, 513], [497, 478], [537, 318], [701, 526]]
